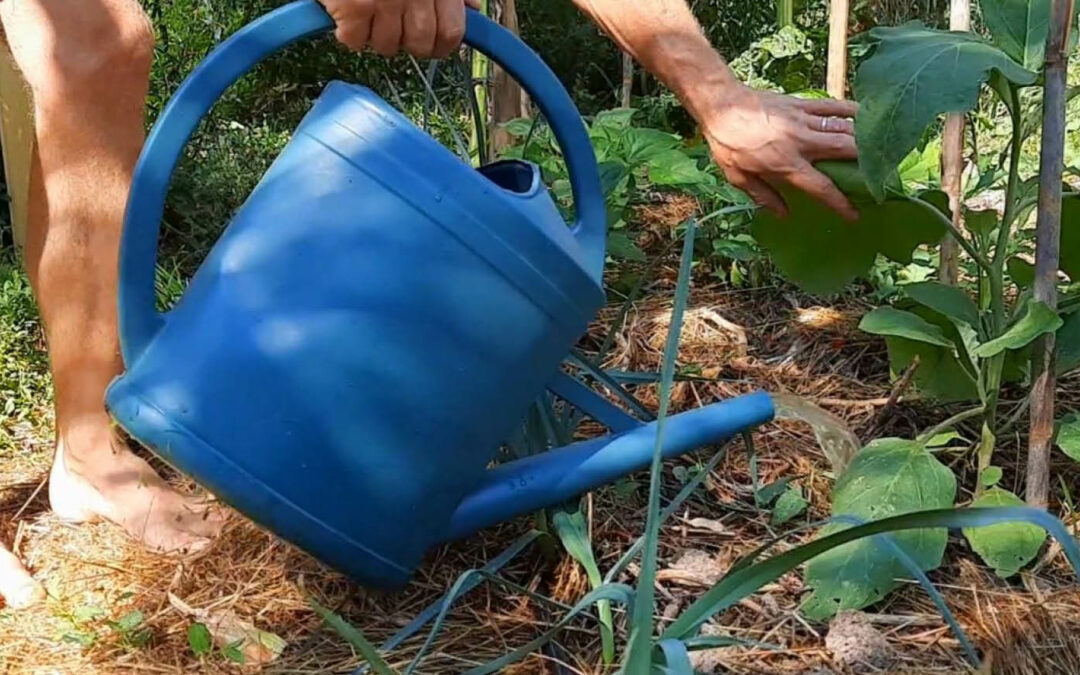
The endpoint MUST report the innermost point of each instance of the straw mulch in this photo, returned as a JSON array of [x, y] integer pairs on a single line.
[[734, 342]]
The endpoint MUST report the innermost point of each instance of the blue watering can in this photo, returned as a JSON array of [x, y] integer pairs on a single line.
[[375, 321]]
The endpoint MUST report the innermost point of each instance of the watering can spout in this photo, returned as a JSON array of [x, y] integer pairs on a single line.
[[539, 481]]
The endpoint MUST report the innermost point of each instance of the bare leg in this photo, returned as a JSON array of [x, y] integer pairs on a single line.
[[87, 63]]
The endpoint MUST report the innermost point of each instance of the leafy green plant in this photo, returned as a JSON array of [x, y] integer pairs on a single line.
[[969, 342], [633, 159]]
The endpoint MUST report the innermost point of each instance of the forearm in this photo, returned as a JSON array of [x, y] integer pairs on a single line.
[[666, 39]]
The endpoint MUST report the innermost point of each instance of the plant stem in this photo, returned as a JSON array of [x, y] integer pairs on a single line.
[[968, 247], [951, 423], [1048, 242]]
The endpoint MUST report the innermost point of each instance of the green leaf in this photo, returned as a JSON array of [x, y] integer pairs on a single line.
[[1070, 236], [622, 247], [611, 174], [1005, 546], [991, 476], [790, 504], [943, 439], [1020, 28], [639, 643], [894, 322], [198, 638], [672, 167], [798, 244], [352, 635], [939, 376], [1021, 272], [130, 621], [1037, 320], [233, 652], [879, 484], [768, 493], [616, 119], [84, 613], [914, 75], [1068, 436], [950, 301], [574, 534], [1068, 344], [646, 143]]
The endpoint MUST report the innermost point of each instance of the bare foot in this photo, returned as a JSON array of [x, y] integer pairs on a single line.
[[94, 475], [17, 587]]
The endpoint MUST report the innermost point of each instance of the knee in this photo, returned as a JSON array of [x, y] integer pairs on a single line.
[[124, 49], [109, 51]]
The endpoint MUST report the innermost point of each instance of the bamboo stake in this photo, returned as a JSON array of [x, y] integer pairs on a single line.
[[839, 11], [1048, 243], [952, 163]]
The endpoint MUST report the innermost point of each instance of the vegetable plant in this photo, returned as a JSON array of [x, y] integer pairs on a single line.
[[965, 343]]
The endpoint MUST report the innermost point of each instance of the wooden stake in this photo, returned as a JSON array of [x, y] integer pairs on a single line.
[[952, 163], [627, 79], [17, 140], [1047, 248], [506, 92], [839, 12]]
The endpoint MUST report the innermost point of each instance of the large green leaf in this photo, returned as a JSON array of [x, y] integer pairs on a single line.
[[1005, 546], [889, 477], [1070, 237], [1020, 27], [940, 374], [951, 301], [821, 252], [1068, 344], [672, 167], [893, 322], [1037, 319], [914, 75], [1068, 436]]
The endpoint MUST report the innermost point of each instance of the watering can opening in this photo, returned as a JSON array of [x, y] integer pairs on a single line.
[[516, 176]]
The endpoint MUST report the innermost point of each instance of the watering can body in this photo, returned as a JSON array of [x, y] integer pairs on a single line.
[[374, 321]]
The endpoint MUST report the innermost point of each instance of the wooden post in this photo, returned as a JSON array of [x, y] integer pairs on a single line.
[[16, 139], [506, 92], [952, 163], [1047, 249], [839, 11], [627, 79]]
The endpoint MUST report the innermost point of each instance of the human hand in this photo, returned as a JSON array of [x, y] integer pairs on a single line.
[[762, 139], [423, 28]]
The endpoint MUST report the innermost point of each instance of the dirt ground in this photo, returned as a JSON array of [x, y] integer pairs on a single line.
[[738, 340]]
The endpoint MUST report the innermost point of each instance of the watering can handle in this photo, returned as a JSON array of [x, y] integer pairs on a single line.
[[139, 320]]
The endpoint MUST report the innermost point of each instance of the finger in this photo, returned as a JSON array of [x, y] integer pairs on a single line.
[[827, 107], [817, 145], [421, 26], [475, 4], [831, 125], [761, 192], [818, 186], [451, 27], [354, 27], [386, 28]]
